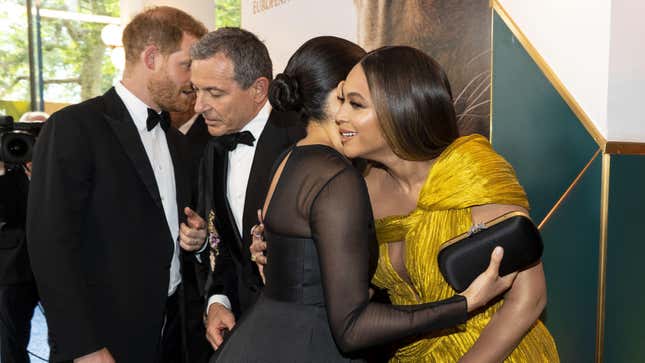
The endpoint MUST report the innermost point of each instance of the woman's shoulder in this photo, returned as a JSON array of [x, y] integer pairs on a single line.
[[468, 145], [321, 159], [318, 168], [472, 155], [470, 172]]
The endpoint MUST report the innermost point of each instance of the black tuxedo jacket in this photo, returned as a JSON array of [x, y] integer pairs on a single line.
[[198, 137], [193, 273], [97, 234], [14, 261], [235, 275]]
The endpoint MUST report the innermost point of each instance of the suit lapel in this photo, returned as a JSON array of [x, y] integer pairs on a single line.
[[118, 117], [271, 144], [275, 138], [179, 165], [220, 166]]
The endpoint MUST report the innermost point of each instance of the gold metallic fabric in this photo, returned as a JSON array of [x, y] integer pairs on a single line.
[[468, 173]]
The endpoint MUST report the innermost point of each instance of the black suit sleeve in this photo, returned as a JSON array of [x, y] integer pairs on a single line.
[[342, 228], [60, 188], [223, 280]]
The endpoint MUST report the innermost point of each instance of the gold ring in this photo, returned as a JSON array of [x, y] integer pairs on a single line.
[[253, 258]]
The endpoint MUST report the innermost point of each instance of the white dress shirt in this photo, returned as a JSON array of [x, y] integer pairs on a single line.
[[156, 146], [240, 161]]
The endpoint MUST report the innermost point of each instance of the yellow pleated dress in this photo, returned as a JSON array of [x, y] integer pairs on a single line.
[[468, 173]]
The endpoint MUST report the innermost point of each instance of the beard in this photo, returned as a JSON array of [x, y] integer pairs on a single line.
[[170, 96]]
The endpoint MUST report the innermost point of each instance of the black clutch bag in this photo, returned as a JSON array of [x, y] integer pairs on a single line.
[[466, 256]]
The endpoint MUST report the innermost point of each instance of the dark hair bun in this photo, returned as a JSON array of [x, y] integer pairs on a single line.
[[284, 93]]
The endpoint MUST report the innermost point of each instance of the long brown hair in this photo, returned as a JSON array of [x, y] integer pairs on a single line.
[[413, 101]]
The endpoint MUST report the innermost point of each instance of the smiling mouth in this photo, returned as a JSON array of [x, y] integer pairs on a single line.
[[348, 134]]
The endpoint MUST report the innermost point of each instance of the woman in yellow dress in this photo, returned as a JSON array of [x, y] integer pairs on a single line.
[[429, 185]]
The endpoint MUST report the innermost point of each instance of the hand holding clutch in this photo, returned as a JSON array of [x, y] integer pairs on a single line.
[[464, 257], [488, 285]]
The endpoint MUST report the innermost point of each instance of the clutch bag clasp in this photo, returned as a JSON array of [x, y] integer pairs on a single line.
[[476, 228]]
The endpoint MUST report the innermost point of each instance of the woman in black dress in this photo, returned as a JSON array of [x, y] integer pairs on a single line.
[[320, 233]]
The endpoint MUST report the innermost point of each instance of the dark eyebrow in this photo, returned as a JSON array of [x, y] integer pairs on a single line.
[[355, 94]]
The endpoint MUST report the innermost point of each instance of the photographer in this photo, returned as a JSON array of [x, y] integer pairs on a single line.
[[18, 294]]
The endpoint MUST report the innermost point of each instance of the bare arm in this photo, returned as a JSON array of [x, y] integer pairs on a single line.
[[522, 306]]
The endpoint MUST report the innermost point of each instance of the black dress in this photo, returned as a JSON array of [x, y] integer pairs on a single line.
[[321, 254]]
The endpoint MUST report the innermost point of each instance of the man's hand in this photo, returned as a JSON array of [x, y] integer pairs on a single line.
[[218, 319], [258, 246], [100, 356], [192, 234]]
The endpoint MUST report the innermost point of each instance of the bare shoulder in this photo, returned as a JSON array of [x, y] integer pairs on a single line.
[[486, 212]]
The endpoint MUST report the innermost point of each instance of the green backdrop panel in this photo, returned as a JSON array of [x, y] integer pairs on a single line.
[[536, 131], [570, 258], [625, 296], [532, 125]]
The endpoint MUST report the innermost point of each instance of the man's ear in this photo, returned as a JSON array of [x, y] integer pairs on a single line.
[[260, 89], [150, 57]]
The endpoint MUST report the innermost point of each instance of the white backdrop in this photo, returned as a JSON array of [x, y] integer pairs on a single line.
[[573, 38], [285, 24], [627, 71], [596, 49]]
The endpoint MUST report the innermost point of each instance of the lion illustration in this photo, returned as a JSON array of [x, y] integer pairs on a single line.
[[454, 32]]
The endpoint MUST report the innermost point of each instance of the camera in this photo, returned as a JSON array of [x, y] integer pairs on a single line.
[[17, 140]]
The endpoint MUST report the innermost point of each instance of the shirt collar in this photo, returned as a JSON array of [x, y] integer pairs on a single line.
[[137, 108], [256, 125]]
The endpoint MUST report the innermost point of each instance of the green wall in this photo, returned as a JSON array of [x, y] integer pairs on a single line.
[[625, 298], [547, 145]]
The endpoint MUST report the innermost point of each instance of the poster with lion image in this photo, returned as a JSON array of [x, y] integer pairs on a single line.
[[454, 32]]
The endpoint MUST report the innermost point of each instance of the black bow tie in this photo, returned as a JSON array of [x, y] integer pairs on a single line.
[[230, 141], [155, 118]]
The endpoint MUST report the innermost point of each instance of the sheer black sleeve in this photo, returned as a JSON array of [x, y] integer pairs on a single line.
[[342, 228]]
